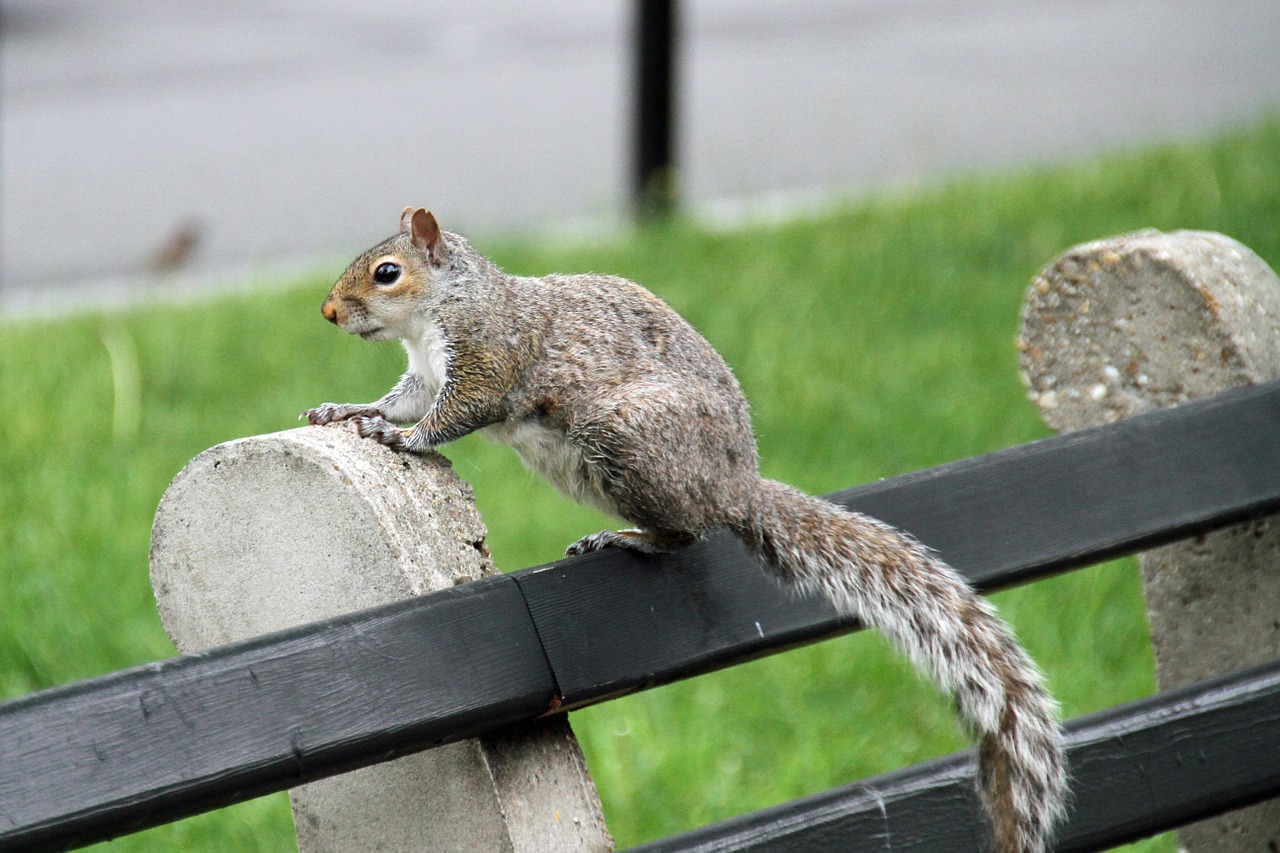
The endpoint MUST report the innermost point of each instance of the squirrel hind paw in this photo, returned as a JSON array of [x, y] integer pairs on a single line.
[[632, 540]]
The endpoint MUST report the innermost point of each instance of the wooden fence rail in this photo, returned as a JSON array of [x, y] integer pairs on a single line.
[[1137, 769], [145, 746]]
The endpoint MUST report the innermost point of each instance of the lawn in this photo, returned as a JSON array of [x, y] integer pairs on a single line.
[[872, 340]]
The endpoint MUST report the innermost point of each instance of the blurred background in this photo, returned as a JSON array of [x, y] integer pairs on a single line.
[[868, 187], [208, 142]]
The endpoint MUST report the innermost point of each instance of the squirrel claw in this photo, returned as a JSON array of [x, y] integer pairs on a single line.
[[585, 545], [630, 540], [380, 431], [329, 413], [321, 415]]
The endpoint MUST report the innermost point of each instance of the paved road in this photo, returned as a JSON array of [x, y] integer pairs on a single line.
[[292, 132]]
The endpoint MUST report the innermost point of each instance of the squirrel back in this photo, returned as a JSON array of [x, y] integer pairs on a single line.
[[608, 393]]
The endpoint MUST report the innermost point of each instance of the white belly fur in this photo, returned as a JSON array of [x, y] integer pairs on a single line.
[[429, 357], [548, 453], [544, 450]]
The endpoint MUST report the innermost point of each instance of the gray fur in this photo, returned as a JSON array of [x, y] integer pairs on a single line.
[[620, 404]]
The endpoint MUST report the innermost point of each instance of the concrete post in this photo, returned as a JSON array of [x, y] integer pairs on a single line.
[[1146, 321], [268, 532]]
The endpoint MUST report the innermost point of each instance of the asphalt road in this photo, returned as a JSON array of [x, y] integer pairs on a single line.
[[257, 138]]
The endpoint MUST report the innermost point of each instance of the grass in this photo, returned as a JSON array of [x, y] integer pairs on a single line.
[[873, 340]]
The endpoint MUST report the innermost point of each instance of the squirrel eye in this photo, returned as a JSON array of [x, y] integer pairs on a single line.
[[386, 273]]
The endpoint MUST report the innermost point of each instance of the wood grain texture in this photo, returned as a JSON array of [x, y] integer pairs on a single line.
[[1137, 769], [152, 744], [148, 745]]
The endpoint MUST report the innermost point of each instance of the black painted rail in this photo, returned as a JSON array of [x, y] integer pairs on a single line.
[[1137, 769], [145, 746]]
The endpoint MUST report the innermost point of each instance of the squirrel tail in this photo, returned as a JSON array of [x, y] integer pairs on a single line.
[[890, 581]]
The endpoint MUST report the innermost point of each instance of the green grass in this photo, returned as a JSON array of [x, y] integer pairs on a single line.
[[872, 341]]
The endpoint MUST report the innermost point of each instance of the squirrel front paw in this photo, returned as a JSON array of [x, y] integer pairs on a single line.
[[332, 413], [376, 427]]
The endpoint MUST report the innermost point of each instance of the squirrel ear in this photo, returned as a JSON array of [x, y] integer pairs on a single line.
[[426, 234], [406, 218]]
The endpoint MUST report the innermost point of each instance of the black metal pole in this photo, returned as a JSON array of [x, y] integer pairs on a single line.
[[654, 187]]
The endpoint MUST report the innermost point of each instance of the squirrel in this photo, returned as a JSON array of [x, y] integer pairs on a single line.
[[610, 395]]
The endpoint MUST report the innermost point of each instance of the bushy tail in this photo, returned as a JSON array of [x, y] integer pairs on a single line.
[[891, 582]]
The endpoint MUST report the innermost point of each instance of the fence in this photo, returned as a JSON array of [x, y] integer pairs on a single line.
[[493, 659]]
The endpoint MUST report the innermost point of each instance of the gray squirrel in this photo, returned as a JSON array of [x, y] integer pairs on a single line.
[[610, 395]]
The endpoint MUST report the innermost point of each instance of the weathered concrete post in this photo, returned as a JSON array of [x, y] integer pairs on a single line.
[[1150, 320], [273, 531]]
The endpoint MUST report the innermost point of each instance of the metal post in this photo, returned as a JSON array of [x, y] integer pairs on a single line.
[[654, 188]]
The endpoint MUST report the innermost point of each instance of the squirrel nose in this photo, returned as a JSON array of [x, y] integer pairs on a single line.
[[330, 313]]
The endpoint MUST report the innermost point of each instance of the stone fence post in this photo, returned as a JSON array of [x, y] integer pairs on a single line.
[[1146, 321], [269, 532]]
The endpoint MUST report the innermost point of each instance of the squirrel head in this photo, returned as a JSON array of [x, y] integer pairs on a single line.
[[378, 294]]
